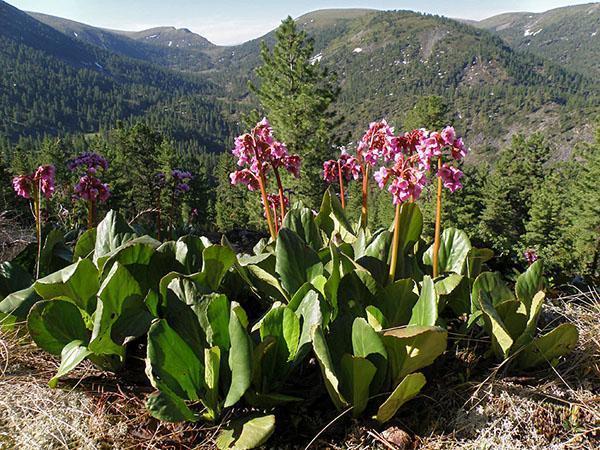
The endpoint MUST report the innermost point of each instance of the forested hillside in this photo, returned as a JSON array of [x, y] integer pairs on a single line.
[[52, 84], [568, 36], [384, 62]]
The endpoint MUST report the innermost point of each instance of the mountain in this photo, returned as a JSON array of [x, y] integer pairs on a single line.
[[384, 60], [55, 84], [569, 36], [166, 46]]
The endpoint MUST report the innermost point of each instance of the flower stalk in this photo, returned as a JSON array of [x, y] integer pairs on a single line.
[[341, 181], [364, 215], [37, 207], [395, 241], [281, 194], [438, 222]]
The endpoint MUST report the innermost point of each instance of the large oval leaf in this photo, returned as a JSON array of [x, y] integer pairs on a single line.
[[52, 324], [454, 249], [302, 222], [296, 263]]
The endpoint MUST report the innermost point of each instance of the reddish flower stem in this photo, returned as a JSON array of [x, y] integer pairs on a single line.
[[281, 194], [365, 193], [262, 185], [396, 238], [91, 219], [275, 219], [37, 207], [341, 178], [438, 223]]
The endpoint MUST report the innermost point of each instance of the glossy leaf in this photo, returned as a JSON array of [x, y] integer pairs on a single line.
[[53, 324], [425, 311], [71, 356], [454, 249], [240, 356], [296, 263], [529, 283], [356, 374], [302, 222], [246, 433], [546, 348]]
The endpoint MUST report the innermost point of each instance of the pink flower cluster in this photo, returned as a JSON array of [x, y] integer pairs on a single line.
[[348, 165], [273, 200], [26, 185], [412, 155], [89, 187], [378, 142], [530, 255], [260, 152]]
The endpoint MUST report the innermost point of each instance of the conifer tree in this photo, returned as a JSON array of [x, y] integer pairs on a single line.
[[295, 93]]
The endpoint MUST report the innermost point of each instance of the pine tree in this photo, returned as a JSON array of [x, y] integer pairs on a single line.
[[296, 93], [429, 112]]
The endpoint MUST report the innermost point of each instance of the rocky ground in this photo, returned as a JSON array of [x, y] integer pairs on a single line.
[[469, 403]]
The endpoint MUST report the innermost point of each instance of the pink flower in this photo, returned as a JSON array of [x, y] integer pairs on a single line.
[[450, 177], [407, 179], [44, 175], [245, 176], [23, 185], [347, 163], [378, 142], [292, 165], [90, 188], [530, 255], [458, 150], [330, 171], [448, 135]]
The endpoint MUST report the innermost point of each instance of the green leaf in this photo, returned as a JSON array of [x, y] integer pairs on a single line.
[[501, 339], [281, 324], [530, 283], [246, 433], [408, 389], [137, 251], [119, 292], [548, 347], [332, 383], [85, 245], [454, 249], [475, 260], [375, 318], [240, 356], [296, 263], [365, 340], [446, 285], [13, 278], [493, 285], [302, 222], [71, 356], [19, 303], [216, 262], [265, 283], [412, 348], [312, 311], [332, 218], [212, 361], [425, 311], [411, 227], [396, 301], [169, 408], [172, 363], [54, 254], [528, 333], [77, 283], [53, 324], [188, 251], [356, 376], [112, 232]]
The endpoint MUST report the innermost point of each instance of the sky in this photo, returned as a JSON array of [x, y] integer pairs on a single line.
[[227, 22]]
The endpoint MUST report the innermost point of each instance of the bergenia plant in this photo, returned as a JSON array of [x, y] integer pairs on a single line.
[[34, 187], [259, 154], [89, 188], [446, 150], [377, 143], [344, 169]]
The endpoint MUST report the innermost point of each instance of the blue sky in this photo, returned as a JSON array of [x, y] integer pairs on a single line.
[[234, 21]]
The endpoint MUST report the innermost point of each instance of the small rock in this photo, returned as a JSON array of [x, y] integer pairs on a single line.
[[398, 437]]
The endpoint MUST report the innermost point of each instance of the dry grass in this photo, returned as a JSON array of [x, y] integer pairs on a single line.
[[468, 404]]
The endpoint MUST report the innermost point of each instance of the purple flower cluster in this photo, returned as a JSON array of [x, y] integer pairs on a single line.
[[26, 185], [378, 142], [530, 255], [91, 161], [181, 179], [260, 152]]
